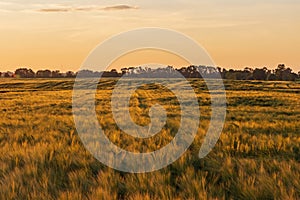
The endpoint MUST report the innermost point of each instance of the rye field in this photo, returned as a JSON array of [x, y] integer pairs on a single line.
[[256, 157]]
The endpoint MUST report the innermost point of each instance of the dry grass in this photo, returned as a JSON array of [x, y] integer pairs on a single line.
[[257, 156]]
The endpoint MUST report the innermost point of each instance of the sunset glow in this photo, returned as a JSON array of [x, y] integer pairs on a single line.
[[60, 34]]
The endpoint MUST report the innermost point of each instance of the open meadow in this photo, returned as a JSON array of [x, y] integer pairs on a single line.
[[256, 157]]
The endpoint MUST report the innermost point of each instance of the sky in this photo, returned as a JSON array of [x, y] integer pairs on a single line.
[[61, 34]]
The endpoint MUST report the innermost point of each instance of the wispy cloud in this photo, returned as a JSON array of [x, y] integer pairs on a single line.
[[54, 10], [120, 7], [86, 9]]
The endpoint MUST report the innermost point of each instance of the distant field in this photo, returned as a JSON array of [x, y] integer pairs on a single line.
[[256, 157]]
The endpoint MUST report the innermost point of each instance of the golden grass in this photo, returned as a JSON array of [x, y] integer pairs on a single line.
[[257, 156]]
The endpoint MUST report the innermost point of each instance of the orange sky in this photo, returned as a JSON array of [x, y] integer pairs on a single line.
[[236, 34], [140, 57]]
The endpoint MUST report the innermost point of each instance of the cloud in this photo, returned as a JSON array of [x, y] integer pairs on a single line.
[[120, 7], [86, 9], [54, 10]]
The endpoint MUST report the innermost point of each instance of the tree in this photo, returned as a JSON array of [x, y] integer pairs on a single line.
[[86, 73], [260, 74], [56, 74], [245, 74], [25, 73], [70, 74], [272, 76], [112, 73], [192, 72], [279, 71], [43, 74], [231, 74], [124, 71], [285, 74]]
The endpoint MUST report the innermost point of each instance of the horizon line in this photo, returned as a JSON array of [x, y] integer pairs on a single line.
[[119, 69]]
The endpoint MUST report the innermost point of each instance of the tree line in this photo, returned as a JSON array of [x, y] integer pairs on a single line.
[[281, 73]]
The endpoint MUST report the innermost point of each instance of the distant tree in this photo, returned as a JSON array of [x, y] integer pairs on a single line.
[[245, 74], [285, 74], [56, 74], [86, 73], [183, 71], [25, 73], [260, 74], [70, 74], [124, 71], [272, 76], [279, 71], [192, 72], [288, 75], [112, 73], [8, 74], [231, 74], [43, 74], [223, 73]]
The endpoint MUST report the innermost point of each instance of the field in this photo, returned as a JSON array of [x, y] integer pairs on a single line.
[[256, 157]]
